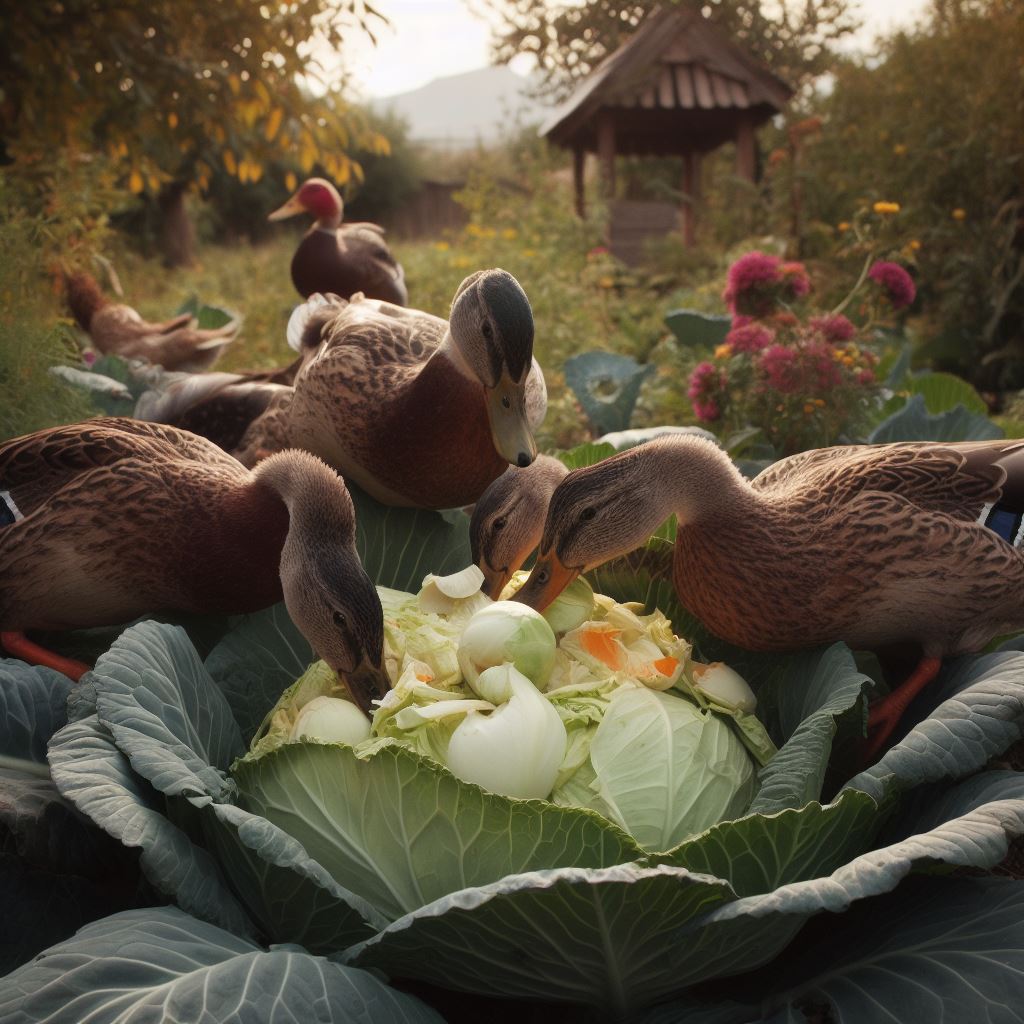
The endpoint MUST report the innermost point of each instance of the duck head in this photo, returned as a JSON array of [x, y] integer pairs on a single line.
[[508, 520], [318, 197], [326, 590], [595, 514], [491, 326]]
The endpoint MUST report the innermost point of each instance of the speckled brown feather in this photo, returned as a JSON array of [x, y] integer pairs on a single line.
[[122, 517]]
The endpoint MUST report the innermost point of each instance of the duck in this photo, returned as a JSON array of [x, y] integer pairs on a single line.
[[508, 519], [109, 519], [416, 410], [117, 329], [916, 543], [340, 258]]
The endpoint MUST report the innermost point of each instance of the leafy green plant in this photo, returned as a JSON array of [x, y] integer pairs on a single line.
[[559, 910]]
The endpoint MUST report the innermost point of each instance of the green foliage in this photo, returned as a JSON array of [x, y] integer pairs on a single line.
[[568, 39], [169, 91], [909, 130]]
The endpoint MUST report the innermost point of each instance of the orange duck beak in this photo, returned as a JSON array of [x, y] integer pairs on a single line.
[[290, 209], [547, 580]]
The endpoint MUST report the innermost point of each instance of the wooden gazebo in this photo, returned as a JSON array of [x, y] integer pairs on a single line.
[[679, 86]]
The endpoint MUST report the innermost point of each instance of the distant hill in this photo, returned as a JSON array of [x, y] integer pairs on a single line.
[[461, 110]]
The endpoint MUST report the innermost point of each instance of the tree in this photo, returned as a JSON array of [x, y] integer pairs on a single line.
[[569, 38], [164, 92]]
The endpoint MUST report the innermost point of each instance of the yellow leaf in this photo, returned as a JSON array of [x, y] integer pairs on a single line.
[[273, 124], [229, 162], [172, 119], [262, 92], [218, 133], [243, 170], [344, 171], [290, 181], [135, 183], [235, 84], [154, 183], [255, 171]]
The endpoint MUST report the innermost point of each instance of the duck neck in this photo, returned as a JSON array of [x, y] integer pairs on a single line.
[[448, 352], [697, 481], [320, 510]]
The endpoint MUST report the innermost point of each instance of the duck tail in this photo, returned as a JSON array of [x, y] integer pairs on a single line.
[[84, 297], [308, 319]]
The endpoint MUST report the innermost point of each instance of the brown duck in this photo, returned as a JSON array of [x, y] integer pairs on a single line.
[[110, 519], [337, 258], [874, 545], [508, 519], [416, 410], [116, 329]]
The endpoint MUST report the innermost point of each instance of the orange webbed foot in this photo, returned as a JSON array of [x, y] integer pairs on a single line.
[[18, 645]]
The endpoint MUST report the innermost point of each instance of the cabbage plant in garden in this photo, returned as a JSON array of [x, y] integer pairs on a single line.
[[306, 874]]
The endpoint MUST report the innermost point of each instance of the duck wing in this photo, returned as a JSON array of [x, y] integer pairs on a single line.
[[36, 466]]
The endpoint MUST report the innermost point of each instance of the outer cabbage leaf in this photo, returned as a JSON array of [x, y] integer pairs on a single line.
[[414, 833], [161, 964], [57, 869], [260, 657], [951, 950], [914, 423], [163, 710], [980, 714], [604, 937], [97, 778]]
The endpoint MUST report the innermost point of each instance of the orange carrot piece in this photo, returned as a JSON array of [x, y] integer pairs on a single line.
[[666, 666], [600, 644]]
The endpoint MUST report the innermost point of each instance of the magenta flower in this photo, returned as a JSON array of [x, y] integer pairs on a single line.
[[752, 286], [779, 365], [835, 328], [866, 377], [88, 357], [823, 365], [706, 381], [750, 337], [795, 282], [707, 412], [897, 284]]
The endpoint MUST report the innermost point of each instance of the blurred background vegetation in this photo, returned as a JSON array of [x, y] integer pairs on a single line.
[[168, 143]]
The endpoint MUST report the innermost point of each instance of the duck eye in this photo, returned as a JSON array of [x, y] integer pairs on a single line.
[[487, 330], [498, 524], [340, 621], [506, 402], [588, 513], [543, 576]]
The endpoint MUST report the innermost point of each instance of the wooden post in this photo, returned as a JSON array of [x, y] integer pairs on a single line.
[[579, 157], [746, 157], [691, 192], [606, 153]]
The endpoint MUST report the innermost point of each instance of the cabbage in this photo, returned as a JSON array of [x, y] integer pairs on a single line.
[[507, 631], [662, 768], [572, 607], [331, 720]]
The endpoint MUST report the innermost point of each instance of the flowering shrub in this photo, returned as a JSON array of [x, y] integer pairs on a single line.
[[802, 382]]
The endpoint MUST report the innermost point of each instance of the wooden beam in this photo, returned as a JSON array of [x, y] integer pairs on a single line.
[[606, 152], [746, 157], [579, 158], [691, 192]]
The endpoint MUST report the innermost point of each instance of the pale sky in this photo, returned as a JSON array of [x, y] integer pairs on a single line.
[[429, 39]]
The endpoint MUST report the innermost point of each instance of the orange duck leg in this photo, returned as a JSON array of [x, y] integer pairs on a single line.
[[884, 714], [18, 645]]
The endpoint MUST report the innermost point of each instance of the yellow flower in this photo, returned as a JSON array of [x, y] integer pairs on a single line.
[[899, 149], [510, 234], [442, 246], [606, 282], [723, 351], [844, 225], [808, 408], [848, 360], [488, 233], [915, 244], [461, 261], [473, 230], [290, 181], [529, 253], [819, 402], [959, 214], [886, 207]]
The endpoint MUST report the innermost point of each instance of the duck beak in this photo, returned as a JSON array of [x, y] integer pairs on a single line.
[[510, 430], [367, 682], [494, 579], [547, 580], [290, 209]]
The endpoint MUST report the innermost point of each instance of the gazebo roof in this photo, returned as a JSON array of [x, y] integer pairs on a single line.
[[678, 84]]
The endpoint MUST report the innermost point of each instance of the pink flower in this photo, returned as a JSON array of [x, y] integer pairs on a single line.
[[753, 284], [750, 337], [706, 381], [795, 282], [897, 284], [88, 357], [739, 320], [835, 328], [779, 365], [823, 365], [866, 377], [707, 411]]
